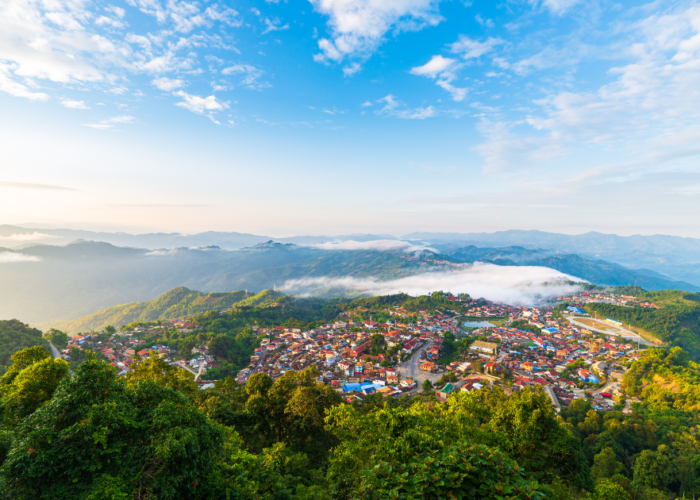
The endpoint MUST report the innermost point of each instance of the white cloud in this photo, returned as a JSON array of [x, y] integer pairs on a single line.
[[17, 89], [117, 11], [434, 67], [351, 69], [68, 103], [650, 107], [396, 108], [366, 104], [513, 285], [167, 84], [251, 75], [108, 21], [558, 7], [381, 245], [359, 26], [68, 42], [274, 25], [111, 122], [13, 258], [24, 237], [469, 48], [198, 104], [442, 69]]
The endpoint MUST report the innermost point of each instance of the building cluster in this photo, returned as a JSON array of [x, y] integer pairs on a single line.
[[119, 349], [343, 351], [567, 361]]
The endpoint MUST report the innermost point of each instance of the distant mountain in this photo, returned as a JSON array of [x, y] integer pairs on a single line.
[[594, 270], [177, 303], [18, 237], [668, 255], [43, 282]]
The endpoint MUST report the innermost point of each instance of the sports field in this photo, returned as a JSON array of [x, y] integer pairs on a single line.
[[598, 324]]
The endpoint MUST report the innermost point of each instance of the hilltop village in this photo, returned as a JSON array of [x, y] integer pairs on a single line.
[[474, 344]]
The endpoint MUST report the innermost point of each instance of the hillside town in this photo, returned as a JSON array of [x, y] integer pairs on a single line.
[[525, 346]]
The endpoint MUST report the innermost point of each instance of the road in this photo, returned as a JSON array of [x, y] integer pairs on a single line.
[[634, 337], [411, 367], [54, 352]]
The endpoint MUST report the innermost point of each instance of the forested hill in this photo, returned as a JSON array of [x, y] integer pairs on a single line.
[[178, 303], [676, 321], [14, 336]]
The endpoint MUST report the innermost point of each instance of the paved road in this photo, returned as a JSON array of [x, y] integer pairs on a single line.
[[54, 352], [634, 337], [411, 367]]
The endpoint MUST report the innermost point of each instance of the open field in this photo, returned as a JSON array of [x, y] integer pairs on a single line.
[[599, 324]]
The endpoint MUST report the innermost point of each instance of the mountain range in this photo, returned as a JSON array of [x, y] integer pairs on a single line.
[[40, 283], [674, 257]]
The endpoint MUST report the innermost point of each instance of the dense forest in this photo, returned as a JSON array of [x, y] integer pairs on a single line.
[[153, 434]]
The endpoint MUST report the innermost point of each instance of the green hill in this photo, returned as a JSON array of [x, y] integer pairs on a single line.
[[178, 303]]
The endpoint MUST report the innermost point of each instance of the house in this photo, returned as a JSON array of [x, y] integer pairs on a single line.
[[445, 392]]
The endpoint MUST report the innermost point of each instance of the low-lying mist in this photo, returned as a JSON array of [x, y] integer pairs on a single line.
[[379, 245], [512, 285]]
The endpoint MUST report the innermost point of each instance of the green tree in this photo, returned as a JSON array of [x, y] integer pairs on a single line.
[[109, 329], [526, 427], [654, 469], [154, 368], [464, 471], [21, 360], [605, 465], [608, 490], [57, 338], [32, 387], [97, 438], [427, 385]]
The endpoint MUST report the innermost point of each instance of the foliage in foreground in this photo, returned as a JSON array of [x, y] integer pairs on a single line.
[[93, 435]]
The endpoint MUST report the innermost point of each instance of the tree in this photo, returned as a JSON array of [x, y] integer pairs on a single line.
[[526, 428], [154, 368], [465, 471], [98, 438], [109, 329], [605, 465], [57, 338], [220, 345], [21, 360], [427, 385], [608, 490], [32, 387], [654, 469]]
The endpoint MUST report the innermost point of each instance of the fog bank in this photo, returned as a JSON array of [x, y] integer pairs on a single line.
[[509, 284]]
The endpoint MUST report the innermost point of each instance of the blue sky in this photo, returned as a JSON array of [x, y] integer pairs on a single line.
[[337, 116]]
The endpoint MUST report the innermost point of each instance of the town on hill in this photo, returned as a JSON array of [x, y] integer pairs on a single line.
[[307, 398]]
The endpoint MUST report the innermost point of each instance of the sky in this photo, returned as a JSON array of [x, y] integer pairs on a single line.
[[348, 116]]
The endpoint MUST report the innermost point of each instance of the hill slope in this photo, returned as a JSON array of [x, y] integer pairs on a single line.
[[178, 303]]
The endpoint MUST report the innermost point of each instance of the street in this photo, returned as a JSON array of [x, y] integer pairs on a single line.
[[411, 367]]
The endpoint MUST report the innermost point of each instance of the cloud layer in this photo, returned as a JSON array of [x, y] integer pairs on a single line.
[[512, 285], [381, 245], [13, 258]]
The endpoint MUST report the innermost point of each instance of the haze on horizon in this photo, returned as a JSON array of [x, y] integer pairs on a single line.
[[352, 116]]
